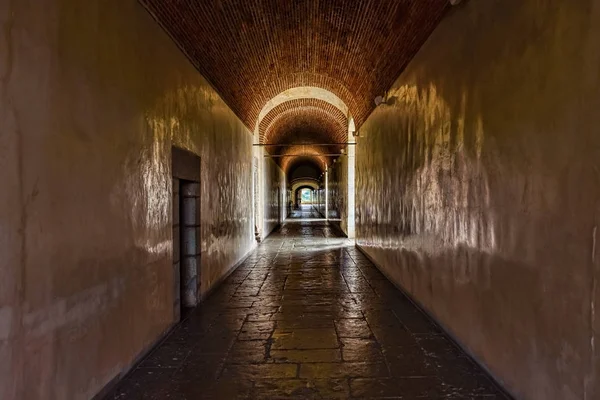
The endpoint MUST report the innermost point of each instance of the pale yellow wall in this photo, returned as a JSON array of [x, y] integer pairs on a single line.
[[478, 188], [338, 193], [273, 178], [91, 93]]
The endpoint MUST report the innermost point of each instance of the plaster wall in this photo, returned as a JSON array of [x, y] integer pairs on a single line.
[[338, 193], [478, 189], [320, 196], [93, 94], [274, 194]]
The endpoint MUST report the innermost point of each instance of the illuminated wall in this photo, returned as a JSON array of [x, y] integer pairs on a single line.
[[92, 97], [478, 189]]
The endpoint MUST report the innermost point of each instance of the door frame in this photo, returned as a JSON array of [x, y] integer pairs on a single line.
[[186, 172]]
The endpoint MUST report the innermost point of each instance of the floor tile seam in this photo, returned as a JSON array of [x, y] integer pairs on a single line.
[[341, 362], [263, 283], [369, 282], [269, 343], [349, 255], [228, 351], [349, 290], [426, 396], [379, 346], [415, 335]]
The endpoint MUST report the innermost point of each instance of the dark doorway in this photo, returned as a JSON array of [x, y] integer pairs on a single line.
[[186, 231]]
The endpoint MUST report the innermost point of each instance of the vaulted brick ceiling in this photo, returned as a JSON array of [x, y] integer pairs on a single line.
[[252, 50], [292, 155], [304, 121], [296, 164], [308, 115]]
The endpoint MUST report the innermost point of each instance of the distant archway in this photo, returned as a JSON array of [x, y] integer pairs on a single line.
[[305, 183]]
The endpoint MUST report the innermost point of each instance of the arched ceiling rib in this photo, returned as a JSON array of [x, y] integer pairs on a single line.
[[304, 92], [300, 183], [304, 121], [303, 168], [253, 50], [292, 155], [305, 125], [311, 114]]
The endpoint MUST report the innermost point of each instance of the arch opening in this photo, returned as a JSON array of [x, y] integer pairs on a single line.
[[304, 130], [303, 93]]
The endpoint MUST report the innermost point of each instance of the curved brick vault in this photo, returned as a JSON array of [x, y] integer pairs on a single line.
[[293, 155], [292, 163], [252, 50], [308, 115], [304, 121]]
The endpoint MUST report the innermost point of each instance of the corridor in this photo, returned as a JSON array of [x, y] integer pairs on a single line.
[[219, 199], [306, 316]]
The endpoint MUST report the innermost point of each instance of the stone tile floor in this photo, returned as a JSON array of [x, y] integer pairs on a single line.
[[306, 316]]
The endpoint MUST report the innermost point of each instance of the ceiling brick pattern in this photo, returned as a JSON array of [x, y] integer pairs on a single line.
[[252, 50], [304, 121], [332, 120], [289, 164], [305, 125]]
